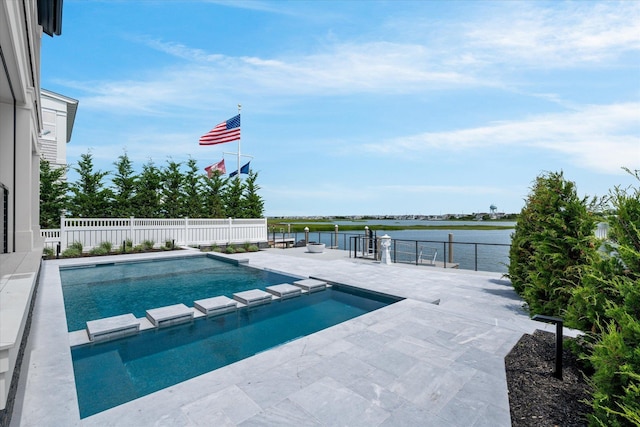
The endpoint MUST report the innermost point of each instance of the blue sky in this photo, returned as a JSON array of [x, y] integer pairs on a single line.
[[361, 107]]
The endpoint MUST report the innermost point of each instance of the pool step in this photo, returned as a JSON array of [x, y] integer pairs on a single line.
[[114, 327], [216, 306], [170, 315], [253, 297], [284, 290], [124, 325], [311, 285]]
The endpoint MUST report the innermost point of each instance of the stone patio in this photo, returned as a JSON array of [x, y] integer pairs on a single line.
[[411, 363]]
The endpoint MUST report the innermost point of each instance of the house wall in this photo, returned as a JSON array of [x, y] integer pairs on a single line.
[[20, 126], [20, 122]]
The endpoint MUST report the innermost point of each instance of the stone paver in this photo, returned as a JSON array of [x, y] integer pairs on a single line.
[[411, 363]]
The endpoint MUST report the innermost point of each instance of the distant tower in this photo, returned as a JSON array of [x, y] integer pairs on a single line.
[[493, 209]]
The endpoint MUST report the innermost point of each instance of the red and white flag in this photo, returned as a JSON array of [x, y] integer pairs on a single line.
[[224, 132], [216, 167]]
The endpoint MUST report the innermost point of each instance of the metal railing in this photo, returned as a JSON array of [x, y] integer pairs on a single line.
[[437, 252], [468, 255], [280, 237]]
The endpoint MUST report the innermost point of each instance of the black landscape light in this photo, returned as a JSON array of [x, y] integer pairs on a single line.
[[559, 323]]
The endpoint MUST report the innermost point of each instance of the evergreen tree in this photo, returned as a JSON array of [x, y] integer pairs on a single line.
[[124, 182], [193, 198], [213, 194], [53, 194], [253, 203], [608, 305], [90, 199], [172, 187], [146, 200], [233, 198], [552, 243]]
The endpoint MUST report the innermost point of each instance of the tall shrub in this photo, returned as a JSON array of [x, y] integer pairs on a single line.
[[90, 198], [233, 198], [253, 203], [53, 194], [552, 243], [172, 190], [193, 197], [608, 304], [213, 195], [147, 197], [124, 187]]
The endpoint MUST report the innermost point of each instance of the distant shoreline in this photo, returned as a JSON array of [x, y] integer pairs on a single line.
[[298, 225]]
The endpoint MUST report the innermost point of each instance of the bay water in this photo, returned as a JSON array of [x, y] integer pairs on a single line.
[[473, 249]]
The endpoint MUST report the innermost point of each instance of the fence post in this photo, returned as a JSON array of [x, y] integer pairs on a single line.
[[186, 231], [132, 232], [366, 241], [450, 248], [63, 232], [476, 255], [356, 246], [229, 231], [444, 255]]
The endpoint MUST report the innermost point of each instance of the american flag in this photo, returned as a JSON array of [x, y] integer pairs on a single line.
[[224, 132], [216, 167]]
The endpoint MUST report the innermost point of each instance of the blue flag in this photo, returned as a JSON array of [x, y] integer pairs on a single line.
[[244, 169]]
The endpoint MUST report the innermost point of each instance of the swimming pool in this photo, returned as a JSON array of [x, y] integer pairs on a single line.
[[98, 291], [109, 374]]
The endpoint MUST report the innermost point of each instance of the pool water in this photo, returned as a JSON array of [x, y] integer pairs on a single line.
[[105, 290], [111, 373]]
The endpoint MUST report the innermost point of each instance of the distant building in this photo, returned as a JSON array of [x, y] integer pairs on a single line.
[[58, 116]]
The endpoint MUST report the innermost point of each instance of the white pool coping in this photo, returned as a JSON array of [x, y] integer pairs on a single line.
[[411, 363]]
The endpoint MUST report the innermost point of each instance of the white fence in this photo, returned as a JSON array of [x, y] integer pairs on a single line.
[[180, 231], [602, 230]]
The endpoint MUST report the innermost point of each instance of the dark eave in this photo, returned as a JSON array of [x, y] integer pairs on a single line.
[[50, 16]]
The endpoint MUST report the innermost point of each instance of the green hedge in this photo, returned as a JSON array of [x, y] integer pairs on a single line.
[[555, 267]]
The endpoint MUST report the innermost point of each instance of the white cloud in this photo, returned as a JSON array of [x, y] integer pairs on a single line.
[[597, 137], [260, 6], [482, 51], [377, 67], [179, 50], [563, 35]]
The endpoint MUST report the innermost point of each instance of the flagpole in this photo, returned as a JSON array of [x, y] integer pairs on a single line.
[[239, 108]]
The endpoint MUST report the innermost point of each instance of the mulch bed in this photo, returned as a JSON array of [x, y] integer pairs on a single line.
[[536, 397]]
